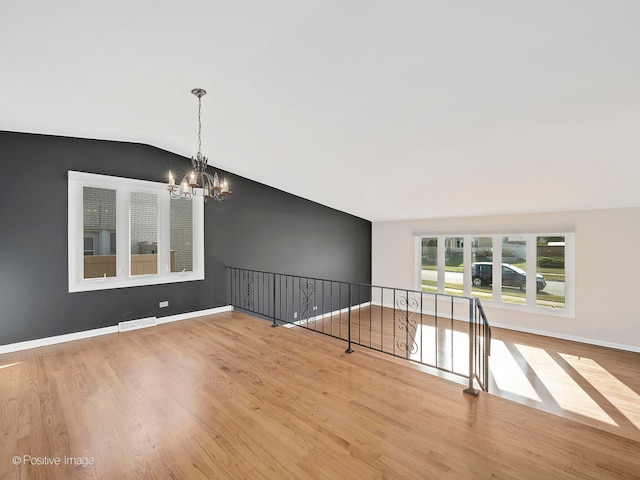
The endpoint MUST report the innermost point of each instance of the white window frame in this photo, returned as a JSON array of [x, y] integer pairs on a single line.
[[531, 258], [124, 187]]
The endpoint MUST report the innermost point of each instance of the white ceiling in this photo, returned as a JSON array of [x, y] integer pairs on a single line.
[[384, 109]]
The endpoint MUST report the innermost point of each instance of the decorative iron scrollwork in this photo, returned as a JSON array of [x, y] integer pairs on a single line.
[[307, 290], [247, 288], [407, 326]]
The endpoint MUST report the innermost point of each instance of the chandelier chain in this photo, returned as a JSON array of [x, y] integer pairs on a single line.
[[199, 126]]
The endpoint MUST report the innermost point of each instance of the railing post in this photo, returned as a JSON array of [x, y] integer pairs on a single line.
[[230, 285], [349, 349], [485, 360], [406, 328], [274, 324], [470, 388]]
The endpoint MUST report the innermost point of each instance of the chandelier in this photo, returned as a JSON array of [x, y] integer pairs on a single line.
[[211, 186]]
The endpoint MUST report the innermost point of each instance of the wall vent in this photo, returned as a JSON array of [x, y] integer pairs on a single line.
[[137, 324]]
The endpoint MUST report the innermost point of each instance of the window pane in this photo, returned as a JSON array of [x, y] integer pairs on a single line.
[[429, 270], [99, 223], [550, 272], [482, 267], [144, 233], [453, 266], [514, 265], [181, 235]]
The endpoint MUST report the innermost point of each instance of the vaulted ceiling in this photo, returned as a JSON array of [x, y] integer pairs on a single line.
[[383, 109]]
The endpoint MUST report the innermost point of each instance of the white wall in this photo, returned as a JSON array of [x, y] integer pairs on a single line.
[[607, 282]]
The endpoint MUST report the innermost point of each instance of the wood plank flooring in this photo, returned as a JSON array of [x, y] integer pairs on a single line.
[[228, 397], [593, 385]]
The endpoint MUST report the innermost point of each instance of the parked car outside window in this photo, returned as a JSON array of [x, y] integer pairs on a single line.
[[512, 276]]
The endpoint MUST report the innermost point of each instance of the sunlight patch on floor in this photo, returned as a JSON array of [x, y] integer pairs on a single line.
[[430, 340], [425, 336], [461, 351], [616, 392], [507, 374], [565, 391]]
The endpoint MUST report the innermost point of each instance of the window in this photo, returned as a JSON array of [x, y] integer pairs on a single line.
[[550, 264], [481, 258], [453, 265], [89, 243], [125, 232], [98, 226], [514, 269], [532, 271], [429, 265], [181, 235], [144, 233]]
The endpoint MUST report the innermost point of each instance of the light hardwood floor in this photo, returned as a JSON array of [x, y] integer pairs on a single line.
[[593, 385], [228, 397]]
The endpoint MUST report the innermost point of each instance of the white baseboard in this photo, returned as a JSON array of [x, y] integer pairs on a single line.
[[43, 342], [572, 338], [315, 318], [69, 337], [199, 313], [461, 318], [590, 341]]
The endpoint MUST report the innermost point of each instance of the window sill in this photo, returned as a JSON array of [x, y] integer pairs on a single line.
[[144, 280], [514, 307]]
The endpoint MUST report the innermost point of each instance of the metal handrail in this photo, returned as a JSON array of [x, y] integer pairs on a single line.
[[276, 295], [353, 283]]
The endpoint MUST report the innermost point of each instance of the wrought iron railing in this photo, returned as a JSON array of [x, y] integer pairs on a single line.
[[480, 333], [446, 332]]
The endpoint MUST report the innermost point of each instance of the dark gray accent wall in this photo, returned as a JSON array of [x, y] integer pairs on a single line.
[[259, 227]]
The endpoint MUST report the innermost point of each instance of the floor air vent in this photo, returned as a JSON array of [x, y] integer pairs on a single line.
[[137, 324]]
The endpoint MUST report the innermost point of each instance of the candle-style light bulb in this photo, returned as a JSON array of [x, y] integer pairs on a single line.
[[172, 182]]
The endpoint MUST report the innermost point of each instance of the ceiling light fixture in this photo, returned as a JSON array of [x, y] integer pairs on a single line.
[[198, 177]]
